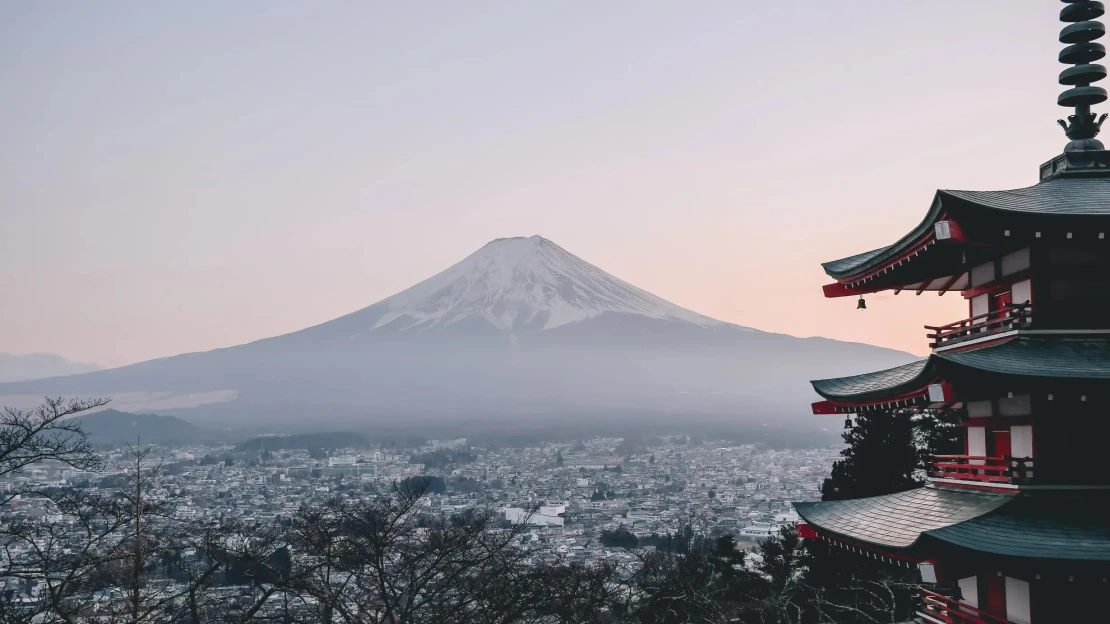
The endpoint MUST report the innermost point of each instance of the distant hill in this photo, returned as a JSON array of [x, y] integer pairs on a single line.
[[113, 426], [39, 366], [327, 441]]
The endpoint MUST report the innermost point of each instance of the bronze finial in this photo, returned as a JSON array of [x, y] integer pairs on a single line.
[[1080, 35]]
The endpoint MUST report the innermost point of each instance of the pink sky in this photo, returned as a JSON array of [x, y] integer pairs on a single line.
[[182, 177]]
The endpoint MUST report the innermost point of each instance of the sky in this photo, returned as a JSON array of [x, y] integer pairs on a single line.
[[179, 177]]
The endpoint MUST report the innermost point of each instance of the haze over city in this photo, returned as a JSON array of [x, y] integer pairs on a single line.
[[631, 312], [183, 178]]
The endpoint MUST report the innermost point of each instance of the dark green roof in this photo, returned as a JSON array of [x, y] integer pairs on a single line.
[[888, 382], [1059, 357], [1041, 525], [1061, 196], [1038, 524], [844, 266], [1047, 356], [898, 520]]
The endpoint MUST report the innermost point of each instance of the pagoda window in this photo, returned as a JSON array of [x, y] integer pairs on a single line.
[[980, 409], [969, 590], [1017, 601], [1021, 441], [983, 274], [977, 442], [980, 306], [1022, 292], [1015, 262]]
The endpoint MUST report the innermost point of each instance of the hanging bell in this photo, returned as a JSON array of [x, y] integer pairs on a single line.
[[861, 304]]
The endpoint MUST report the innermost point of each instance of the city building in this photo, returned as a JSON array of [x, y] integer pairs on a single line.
[[1015, 529]]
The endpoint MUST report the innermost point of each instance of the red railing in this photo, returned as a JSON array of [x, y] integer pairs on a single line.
[[1002, 319], [1011, 470], [951, 611]]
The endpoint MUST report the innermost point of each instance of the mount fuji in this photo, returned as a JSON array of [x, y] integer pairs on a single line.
[[520, 284], [521, 328]]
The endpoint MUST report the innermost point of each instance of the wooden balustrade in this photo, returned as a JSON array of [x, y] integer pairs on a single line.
[[1002, 319], [951, 611], [1010, 470]]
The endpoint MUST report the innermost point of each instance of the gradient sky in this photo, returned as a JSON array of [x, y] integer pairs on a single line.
[[183, 176]]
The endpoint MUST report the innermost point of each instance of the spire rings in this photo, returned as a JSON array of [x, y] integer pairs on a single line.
[[1080, 34]]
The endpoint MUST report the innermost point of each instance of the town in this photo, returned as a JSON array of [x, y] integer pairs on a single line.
[[582, 500]]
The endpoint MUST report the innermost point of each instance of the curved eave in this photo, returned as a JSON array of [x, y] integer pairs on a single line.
[[926, 383], [1063, 525], [936, 261], [910, 385], [1072, 197], [899, 520], [861, 265]]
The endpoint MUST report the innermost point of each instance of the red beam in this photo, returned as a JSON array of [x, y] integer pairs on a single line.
[[998, 421], [806, 531], [878, 550], [833, 291], [829, 407], [952, 611], [1004, 282]]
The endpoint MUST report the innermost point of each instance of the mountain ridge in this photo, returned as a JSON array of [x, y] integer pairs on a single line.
[[519, 326], [114, 426], [14, 367]]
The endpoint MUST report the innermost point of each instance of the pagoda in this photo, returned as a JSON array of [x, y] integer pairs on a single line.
[[1017, 528]]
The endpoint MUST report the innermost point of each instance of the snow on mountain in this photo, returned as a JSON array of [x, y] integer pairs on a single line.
[[524, 282], [519, 329]]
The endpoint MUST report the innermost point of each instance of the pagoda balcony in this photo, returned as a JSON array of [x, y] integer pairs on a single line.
[[940, 608], [993, 322], [984, 470]]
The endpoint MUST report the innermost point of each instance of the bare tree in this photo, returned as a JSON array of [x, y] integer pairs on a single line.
[[382, 560], [228, 556], [45, 433]]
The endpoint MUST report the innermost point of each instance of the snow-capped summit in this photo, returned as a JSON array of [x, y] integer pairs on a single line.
[[518, 331], [523, 283]]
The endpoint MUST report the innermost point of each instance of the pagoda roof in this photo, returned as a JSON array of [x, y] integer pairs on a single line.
[[874, 259], [1083, 197], [1056, 357], [1040, 525], [1061, 524], [1061, 196], [874, 385], [898, 520], [847, 266], [1039, 356]]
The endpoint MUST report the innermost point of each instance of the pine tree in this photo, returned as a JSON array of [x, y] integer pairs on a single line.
[[938, 434], [886, 454], [882, 457]]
